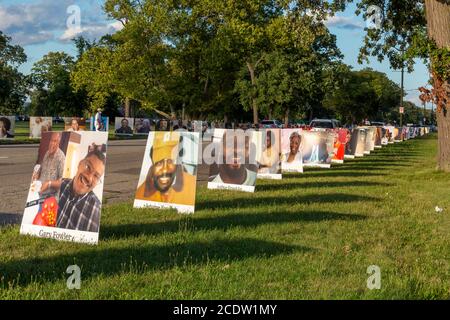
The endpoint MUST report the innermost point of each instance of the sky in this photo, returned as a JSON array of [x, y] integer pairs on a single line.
[[40, 26]]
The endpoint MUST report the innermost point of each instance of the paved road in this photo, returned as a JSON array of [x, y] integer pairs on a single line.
[[123, 166]]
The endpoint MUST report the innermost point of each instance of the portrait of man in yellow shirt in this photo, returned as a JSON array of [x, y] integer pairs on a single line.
[[167, 180]]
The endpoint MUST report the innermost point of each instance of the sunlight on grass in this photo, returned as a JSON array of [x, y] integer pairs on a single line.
[[309, 236]]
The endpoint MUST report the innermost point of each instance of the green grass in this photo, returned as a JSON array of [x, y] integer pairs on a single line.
[[309, 236]]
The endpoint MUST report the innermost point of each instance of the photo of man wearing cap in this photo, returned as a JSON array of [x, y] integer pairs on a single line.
[[166, 181]]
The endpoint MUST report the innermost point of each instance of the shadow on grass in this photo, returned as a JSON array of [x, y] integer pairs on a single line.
[[114, 261], [322, 184], [278, 201], [225, 222], [9, 219], [329, 174]]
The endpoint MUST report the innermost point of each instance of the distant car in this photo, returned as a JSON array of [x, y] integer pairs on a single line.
[[270, 124], [377, 124], [324, 124], [59, 119]]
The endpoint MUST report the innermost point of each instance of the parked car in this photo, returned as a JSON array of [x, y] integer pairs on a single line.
[[58, 119], [270, 124], [377, 124], [324, 124]]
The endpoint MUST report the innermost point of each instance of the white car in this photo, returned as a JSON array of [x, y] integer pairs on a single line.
[[270, 124]]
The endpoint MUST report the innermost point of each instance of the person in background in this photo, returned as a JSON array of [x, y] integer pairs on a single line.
[[98, 121]]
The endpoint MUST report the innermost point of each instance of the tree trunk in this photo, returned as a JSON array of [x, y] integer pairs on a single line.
[[127, 107], [286, 118], [173, 113], [438, 24], [251, 70], [183, 115]]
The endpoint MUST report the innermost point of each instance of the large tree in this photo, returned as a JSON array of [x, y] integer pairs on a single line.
[[53, 93], [423, 27], [364, 94], [13, 84]]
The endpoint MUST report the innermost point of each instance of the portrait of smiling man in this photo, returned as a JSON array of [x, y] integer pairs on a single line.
[[78, 206], [237, 167], [167, 180]]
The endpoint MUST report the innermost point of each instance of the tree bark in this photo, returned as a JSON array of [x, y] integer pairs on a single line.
[[286, 118], [127, 107], [438, 24], [251, 70]]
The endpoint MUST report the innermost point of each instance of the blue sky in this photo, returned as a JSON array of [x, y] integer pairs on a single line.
[[40, 26]]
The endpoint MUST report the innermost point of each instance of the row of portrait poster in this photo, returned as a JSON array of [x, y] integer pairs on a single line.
[[65, 194]]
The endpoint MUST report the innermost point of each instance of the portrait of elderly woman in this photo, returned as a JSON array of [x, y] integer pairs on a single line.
[[167, 180], [292, 161]]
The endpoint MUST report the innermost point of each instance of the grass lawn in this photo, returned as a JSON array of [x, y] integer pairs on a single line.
[[309, 236]]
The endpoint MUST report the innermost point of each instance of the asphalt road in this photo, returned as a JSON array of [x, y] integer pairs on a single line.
[[124, 160]]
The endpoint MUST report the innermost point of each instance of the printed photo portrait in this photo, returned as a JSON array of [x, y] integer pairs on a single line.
[[236, 167], [40, 125], [292, 150], [340, 142], [318, 148], [352, 142], [269, 154], [99, 123], [168, 176], [361, 143], [66, 190], [7, 127], [74, 124], [124, 126], [163, 125], [378, 137], [370, 140], [143, 126], [390, 134]]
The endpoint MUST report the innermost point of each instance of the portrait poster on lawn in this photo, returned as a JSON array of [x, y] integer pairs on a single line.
[[66, 190], [410, 132], [398, 134], [168, 176], [361, 143], [390, 134], [269, 152], [74, 124], [350, 147], [378, 137], [236, 164], [370, 140], [318, 148], [142, 126], [340, 143], [40, 125], [405, 134], [123, 126], [292, 150], [7, 127], [100, 124]]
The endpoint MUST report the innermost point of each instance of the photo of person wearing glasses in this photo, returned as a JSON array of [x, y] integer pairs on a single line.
[[78, 206]]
